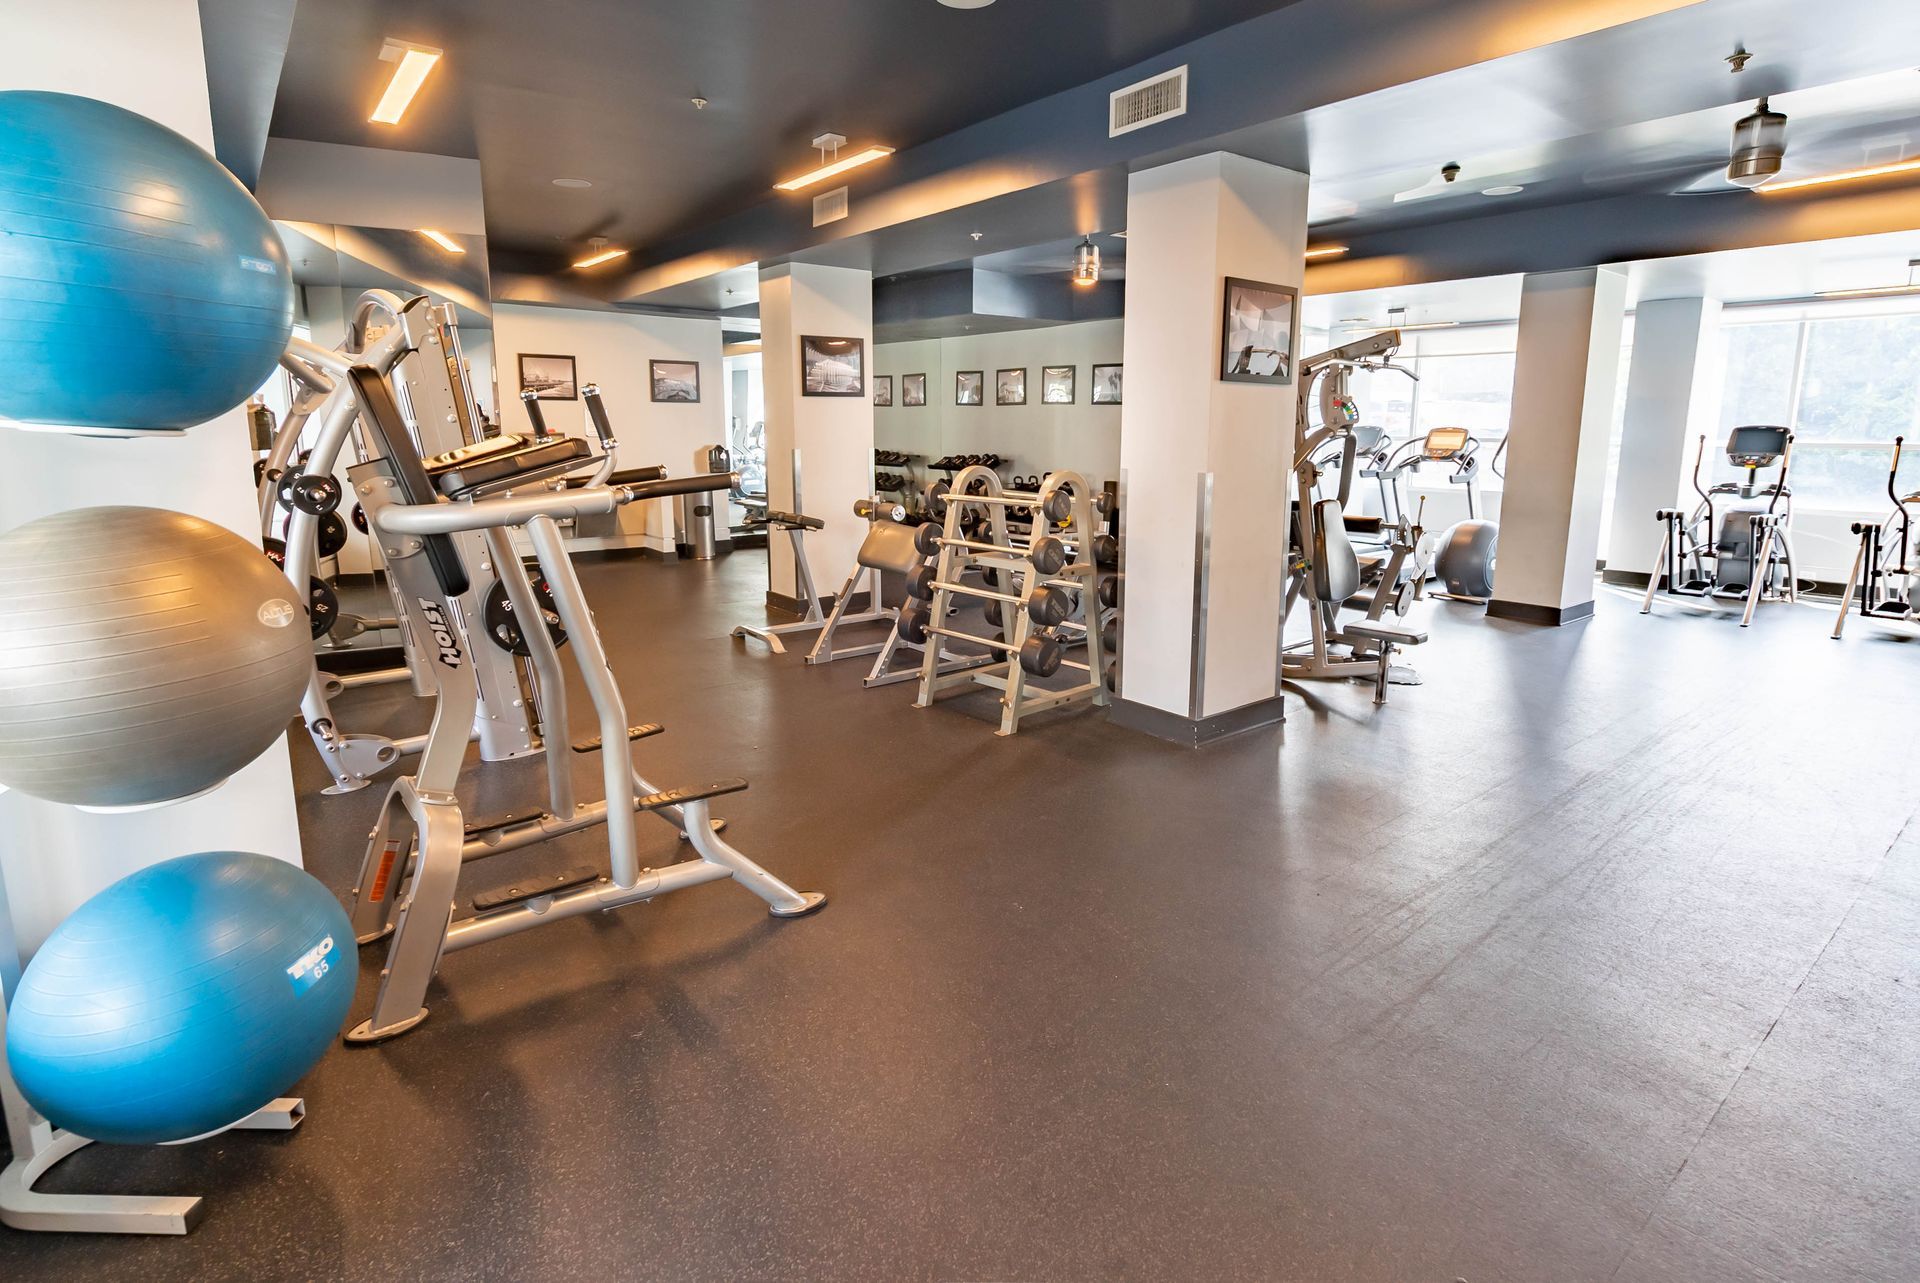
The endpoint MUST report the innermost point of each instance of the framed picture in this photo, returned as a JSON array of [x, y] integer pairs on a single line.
[[913, 389], [1056, 385], [1106, 385], [1257, 324], [883, 389], [548, 377], [970, 387], [675, 380], [1010, 387], [832, 367]]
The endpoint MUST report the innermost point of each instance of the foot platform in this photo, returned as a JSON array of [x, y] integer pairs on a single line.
[[592, 743]]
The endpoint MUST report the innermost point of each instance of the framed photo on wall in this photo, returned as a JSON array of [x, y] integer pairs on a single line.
[[970, 387], [675, 380], [832, 367], [1056, 385], [883, 389], [1257, 323], [913, 389], [1010, 387], [548, 377], [1106, 384]]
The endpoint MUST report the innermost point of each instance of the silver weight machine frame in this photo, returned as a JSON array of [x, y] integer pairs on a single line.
[[419, 350], [410, 876]]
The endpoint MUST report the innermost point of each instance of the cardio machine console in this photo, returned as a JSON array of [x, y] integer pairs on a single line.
[[1445, 443], [1756, 446]]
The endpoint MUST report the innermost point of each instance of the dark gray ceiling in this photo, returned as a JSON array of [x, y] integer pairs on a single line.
[[600, 89]]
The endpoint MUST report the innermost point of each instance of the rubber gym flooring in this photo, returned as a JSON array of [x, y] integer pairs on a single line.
[[1597, 957]]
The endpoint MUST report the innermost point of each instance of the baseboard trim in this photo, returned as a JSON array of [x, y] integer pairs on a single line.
[[1624, 578], [1176, 729], [1525, 612], [798, 609]]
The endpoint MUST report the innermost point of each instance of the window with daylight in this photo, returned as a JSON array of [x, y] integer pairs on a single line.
[[1846, 381]]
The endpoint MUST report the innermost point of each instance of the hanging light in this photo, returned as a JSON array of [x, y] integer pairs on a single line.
[[1086, 264], [1759, 146]]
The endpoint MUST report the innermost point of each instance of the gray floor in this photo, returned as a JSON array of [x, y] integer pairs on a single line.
[[1593, 958]]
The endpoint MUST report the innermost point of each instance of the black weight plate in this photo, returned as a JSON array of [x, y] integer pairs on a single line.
[[332, 535], [276, 550], [504, 627], [323, 607]]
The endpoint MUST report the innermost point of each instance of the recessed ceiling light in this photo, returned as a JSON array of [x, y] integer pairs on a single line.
[[577, 183], [601, 254], [966, 4], [415, 62], [1504, 189], [1325, 251], [443, 240]]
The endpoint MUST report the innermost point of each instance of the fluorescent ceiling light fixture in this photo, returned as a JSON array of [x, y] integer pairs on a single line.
[[1325, 251], [1845, 176], [1426, 325], [831, 168], [1504, 189], [600, 256], [443, 240], [575, 184], [1880, 291], [415, 62]]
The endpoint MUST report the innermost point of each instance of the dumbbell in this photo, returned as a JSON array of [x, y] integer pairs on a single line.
[[1059, 506], [1042, 654], [1109, 590], [1106, 551], [914, 619], [935, 496], [1048, 555], [1050, 605], [920, 581], [926, 539]]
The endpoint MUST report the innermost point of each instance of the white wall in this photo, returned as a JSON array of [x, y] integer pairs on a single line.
[[1082, 437], [613, 349], [144, 55]]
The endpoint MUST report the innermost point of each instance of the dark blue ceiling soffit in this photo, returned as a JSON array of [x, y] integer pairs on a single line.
[[937, 304], [1622, 229], [1271, 68], [245, 45]]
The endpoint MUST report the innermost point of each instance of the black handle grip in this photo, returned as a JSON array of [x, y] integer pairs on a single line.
[[535, 415], [698, 483], [774, 518], [598, 413]]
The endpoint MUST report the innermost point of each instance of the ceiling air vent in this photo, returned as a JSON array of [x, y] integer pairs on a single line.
[[830, 208], [1147, 103]]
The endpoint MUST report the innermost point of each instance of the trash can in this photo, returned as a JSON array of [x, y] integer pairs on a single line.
[[695, 536]]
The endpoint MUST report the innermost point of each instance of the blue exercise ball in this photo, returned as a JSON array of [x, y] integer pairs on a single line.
[[182, 998], [141, 287]]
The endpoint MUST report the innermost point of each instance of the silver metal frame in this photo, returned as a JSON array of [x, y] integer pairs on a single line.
[[410, 875]]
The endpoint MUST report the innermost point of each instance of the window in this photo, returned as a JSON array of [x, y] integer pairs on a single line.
[[1846, 382]]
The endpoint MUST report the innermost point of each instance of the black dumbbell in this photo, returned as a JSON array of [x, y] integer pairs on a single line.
[[1048, 554], [1048, 606], [920, 582], [1042, 654], [926, 539], [1106, 551], [912, 624], [1109, 590]]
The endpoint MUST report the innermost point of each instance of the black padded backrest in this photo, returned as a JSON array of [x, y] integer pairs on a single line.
[[381, 416], [1339, 576]]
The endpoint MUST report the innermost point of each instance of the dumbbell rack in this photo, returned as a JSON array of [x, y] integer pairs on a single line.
[[1023, 576]]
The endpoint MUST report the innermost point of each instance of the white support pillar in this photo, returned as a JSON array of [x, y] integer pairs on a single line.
[[1673, 395], [146, 56], [1566, 376], [830, 436], [1204, 463]]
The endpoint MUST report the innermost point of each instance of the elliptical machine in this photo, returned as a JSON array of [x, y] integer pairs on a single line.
[[1743, 550], [1883, 583], [1468, 548]]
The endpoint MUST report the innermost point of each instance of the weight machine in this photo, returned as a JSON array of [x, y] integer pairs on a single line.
[[437, 517], [1743, 551], [1882, 583]]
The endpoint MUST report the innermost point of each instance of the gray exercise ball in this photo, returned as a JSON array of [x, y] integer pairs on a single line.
[[145, 656]]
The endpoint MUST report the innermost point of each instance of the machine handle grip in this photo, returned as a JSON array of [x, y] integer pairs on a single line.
[[598, 413], [774, 518], [698, 483], [535, 415]]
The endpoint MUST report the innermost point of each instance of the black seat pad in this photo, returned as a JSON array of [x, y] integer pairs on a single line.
[[501, 458]]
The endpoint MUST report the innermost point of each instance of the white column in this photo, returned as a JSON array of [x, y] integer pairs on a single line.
[[144, 55], [832, 436], [1566, 377], [1203, 462], [1673, 395]]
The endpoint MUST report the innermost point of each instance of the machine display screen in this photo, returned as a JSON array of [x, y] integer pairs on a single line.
[[1444, 443], [1747, 442]]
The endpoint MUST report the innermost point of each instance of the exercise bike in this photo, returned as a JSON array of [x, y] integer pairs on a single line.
[[1742, 551], [1882, 583]]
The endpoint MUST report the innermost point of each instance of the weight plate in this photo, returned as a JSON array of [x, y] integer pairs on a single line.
[[276, 550], [503, 627], [359, 518], [323, 607], [332, 535]]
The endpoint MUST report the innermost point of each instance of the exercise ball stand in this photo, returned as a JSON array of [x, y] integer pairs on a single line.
[[38, 1145]]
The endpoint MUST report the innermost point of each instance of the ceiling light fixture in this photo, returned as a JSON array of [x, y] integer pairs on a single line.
[[443, 240], [831, 162], [1325, 251], [573, 184], [1759, 146], [415, 62], [601, 254], [966, 4], [1880, 291], [1396, 320], [1846, 176], [1504, 189], [1086, 264]]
